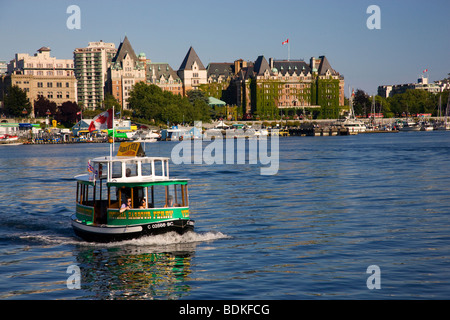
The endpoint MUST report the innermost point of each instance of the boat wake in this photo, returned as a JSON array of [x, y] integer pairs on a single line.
[[161, 241]]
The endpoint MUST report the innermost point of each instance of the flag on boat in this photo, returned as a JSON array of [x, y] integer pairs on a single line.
[[92, 171], [90, 168], [285, 42], [102, 121]]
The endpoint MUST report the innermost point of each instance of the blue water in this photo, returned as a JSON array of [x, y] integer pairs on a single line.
[[337, 206]]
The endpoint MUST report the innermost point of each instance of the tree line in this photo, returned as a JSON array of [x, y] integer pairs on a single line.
[[410, 102], [151, 104], [17, 104]]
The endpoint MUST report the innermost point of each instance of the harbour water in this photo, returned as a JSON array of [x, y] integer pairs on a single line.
[[337, 206]]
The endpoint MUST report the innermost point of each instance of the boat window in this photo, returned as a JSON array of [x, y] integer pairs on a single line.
[[101, 169], [131, 169], [116, 169], [176, 196], [85, 194], [158, 168], [157, 196], [146, 169]]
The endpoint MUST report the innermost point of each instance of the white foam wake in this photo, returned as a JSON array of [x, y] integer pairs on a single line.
[[162, 240]]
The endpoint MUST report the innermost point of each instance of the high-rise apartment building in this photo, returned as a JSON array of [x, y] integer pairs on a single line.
[[91, 71]]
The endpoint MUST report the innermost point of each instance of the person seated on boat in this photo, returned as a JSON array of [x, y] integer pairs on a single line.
[[169, 202], [126, 206], [143, 204], [128, 172]]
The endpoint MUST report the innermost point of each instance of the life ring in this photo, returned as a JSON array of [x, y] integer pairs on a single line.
[[181, 138]]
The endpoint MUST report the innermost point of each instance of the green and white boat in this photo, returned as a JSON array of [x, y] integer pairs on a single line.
[[128, 196]]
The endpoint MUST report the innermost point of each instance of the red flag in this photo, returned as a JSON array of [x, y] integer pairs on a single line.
[[102, 121], [284, 42], [426, 70]]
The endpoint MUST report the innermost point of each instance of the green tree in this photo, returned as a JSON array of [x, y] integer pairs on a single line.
[[16, 101], [150, 103], [110, 102], [413, 102], [44, 107], [68, 113], [361, 102]]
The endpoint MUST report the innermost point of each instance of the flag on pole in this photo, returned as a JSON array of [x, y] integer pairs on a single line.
[[285, 42], [102, 121]]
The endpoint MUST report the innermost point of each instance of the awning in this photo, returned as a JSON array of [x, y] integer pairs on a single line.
[[216, 102]]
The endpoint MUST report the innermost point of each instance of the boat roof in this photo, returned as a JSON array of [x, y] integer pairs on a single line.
[[133, 181], [127, 159]]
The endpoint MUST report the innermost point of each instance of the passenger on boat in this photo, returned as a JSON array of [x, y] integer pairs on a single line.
[[126, 206], [169, 202], [143, 204]]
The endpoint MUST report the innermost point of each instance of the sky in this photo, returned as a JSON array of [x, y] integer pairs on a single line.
[[413, 36]]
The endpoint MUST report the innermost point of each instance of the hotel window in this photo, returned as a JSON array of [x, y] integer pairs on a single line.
[[50, 95], [59, 95], [67, 95], [40, 85], [49, 85], [67, 85], [59, 84], [49, 73]]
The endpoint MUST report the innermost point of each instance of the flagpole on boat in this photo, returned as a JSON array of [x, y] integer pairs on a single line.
[[111, 146]]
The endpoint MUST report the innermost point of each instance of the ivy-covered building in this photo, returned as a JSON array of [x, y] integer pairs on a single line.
[[266, 88]]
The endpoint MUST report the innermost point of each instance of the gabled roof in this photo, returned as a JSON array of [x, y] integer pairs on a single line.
[[324, 66], [297, 66], [189, 60], [124, 49], [220, 68], [261, 65], [160, 70]]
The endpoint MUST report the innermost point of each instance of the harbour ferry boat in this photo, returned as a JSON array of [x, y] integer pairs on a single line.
[[129, 195]]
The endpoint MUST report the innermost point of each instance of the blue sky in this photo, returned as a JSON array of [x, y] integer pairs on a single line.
[[414, 34]]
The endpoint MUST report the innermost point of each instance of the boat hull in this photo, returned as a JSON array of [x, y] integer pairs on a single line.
[[104, 233]]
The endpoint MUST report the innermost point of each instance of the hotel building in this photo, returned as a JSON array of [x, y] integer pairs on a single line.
[[125, 71], [41, 75]]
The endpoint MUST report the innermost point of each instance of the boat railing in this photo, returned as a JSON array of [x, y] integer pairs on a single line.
[[132, 168]]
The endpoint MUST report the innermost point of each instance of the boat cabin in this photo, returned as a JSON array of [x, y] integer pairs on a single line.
[[141, 184]]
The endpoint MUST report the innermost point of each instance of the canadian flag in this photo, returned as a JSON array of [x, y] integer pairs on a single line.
[[426, 70], [102, 121], [285, 42]]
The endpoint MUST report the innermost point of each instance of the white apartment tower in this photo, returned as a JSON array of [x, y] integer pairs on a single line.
[[91, 70]]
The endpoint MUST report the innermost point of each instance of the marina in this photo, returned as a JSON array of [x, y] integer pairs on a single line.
[[336, 206]]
